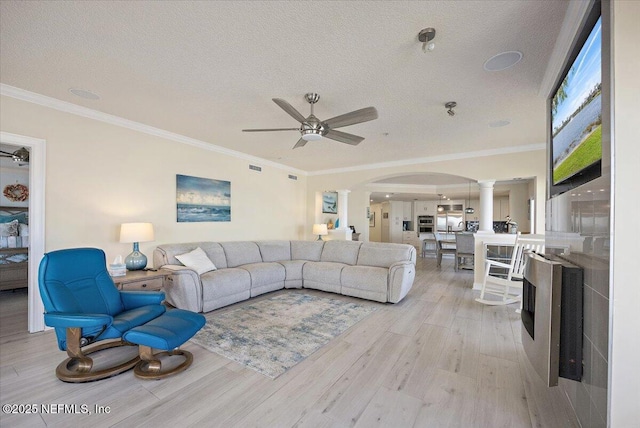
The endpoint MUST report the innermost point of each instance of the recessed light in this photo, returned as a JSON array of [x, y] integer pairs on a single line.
[[83, 93], [499, 123], [502, 61], [387, 196]]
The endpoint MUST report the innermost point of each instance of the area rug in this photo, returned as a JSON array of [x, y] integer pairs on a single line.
[[274, 334]]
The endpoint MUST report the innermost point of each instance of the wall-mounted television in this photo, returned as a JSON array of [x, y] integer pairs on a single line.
[[575, 109]]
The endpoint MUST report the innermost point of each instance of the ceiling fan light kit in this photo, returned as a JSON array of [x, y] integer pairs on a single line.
[[450, 106], [19, 156], [313, 129], [426, 37]]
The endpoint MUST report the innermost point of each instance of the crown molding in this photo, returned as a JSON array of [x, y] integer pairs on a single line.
[[433, 159], [67, 107]]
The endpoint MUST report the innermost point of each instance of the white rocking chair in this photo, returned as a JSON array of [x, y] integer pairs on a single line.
[[509, 289]]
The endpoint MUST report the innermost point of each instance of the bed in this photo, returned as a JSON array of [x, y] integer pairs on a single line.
[[14, 248]]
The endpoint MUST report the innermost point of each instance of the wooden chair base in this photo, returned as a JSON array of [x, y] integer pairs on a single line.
[[150, 367], [77, 369]]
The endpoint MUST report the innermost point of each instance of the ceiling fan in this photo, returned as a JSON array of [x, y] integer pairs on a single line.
[[313, 129], [20, 156]]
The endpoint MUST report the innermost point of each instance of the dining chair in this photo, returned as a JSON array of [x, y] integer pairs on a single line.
[[443, 248], [509, 289], [465, 249], [429, 245]]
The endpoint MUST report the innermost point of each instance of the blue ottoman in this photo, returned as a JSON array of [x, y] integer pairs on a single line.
[[167, 333]]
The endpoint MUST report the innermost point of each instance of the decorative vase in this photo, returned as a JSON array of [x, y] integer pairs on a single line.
[[136, 260]]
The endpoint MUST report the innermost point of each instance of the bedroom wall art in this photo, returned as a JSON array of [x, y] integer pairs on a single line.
[[202, 199]]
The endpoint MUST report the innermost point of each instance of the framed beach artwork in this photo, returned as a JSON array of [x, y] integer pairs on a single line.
[[202, 199], [330, 203]]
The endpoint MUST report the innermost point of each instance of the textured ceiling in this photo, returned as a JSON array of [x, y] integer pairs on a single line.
[[206, 70]]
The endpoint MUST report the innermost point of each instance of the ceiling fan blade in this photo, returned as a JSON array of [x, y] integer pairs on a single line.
[[289, 109], [343, 137], [272, 129], [6, 153], [301, 142], [363, 115]]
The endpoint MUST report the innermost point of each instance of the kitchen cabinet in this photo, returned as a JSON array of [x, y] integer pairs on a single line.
[[425, 208], [407, 211], [411, 238]]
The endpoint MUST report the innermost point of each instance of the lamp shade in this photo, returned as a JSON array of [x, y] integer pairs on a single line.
[[320, 229], [136, 232]]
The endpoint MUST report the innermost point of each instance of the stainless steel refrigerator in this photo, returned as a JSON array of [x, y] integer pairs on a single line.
[[450, 221]]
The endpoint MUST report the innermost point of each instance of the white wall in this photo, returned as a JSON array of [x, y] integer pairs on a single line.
[[518, 207], [100, 175], [624, 339]]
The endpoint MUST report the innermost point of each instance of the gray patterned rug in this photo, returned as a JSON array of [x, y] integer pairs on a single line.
[[274, 334]]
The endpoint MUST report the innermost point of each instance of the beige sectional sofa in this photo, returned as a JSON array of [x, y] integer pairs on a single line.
[[369, 270]]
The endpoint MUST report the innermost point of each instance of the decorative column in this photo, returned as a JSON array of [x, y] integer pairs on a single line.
[[343, 232], [343, 201], [486, 206]]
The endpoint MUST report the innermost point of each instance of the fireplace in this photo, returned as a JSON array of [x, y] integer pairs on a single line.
[[552, 317]]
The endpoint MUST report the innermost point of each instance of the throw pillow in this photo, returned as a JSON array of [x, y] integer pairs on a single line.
[[197, 260], [9, 229]]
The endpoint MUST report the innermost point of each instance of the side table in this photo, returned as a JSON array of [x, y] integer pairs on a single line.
[[141, 280]]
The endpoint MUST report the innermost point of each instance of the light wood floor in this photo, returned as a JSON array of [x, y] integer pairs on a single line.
[[436, 359]]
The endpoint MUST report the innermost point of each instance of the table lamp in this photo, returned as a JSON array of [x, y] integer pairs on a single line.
[[136, 233], [320, 229]]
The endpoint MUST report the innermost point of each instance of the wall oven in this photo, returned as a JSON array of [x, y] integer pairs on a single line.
[[425, 223]]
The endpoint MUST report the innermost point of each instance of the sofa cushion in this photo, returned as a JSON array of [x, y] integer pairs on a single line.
[[382, 254], [340, 252], [265, 277], [224, 284], [322, 276], [265, 273], [293, 273], [306, 250], [241, 253], [274, 251], [366, 282]]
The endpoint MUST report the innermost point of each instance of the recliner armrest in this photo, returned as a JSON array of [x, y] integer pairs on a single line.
[[178, 268], [66, 320], [135, 299], [401, 263], [183, 288]]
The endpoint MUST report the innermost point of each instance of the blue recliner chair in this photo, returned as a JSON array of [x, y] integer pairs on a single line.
[[89, 314]]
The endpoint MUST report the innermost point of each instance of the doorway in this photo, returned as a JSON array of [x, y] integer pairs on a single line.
[[36, 200]]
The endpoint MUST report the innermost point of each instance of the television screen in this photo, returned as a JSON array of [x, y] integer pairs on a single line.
[[576, 112]]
